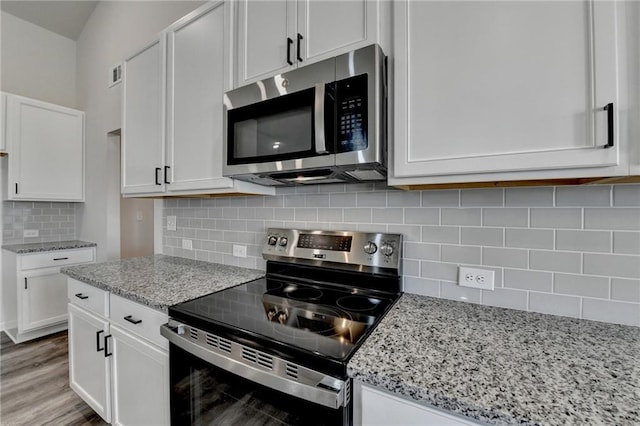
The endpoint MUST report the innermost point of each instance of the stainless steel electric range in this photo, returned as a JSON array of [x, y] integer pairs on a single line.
[[275, 350]]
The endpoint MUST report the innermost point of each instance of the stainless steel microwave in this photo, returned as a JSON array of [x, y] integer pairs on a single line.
[[322, 123]]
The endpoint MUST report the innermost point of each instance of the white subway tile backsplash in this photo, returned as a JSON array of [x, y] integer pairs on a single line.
[[461, 254], [422, 286], [626, 195], [388, 215], [548, 260], [612, 218], [612, 265], [509, 257], [505, 298], [611, 311], [625, 289], [589, 241], [468, 217], [529, 238], [482, 236], [556, 218], [441, 234], [455, 292], [422, 216], [529, 197], [482, 197], [528, 280], [581, 285], [543, 258], [506, 217], [447, 198], [554, 304], [626, 242]]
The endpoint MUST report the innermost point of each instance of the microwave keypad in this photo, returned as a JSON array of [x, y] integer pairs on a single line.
[[352, 114]]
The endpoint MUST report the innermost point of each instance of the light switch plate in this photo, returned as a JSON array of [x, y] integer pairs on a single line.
[[172, 223], [31, 233]]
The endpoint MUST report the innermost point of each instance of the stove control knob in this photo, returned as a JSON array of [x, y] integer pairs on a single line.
[[283, 241], [272, 240], [386, 249], [370, 247]]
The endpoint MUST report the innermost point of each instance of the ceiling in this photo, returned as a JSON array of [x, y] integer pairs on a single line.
[[66, 18]]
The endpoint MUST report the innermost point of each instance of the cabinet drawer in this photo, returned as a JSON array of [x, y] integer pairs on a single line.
[[88, 297], [57, 258], [139, 319]]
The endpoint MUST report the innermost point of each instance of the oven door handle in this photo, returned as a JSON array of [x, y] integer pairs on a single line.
[[320, 395], [318, 118]]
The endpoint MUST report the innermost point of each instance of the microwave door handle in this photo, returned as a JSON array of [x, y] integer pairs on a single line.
[[321, 145]]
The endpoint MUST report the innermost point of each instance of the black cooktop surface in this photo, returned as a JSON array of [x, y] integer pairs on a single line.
[[325, 320]]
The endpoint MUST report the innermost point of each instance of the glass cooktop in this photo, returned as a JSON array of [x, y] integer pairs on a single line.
[[328, 321]]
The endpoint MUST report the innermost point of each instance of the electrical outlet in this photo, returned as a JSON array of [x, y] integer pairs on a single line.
[[239, 251], [187, 244], [172, 223], [31, 233], [476, 278]]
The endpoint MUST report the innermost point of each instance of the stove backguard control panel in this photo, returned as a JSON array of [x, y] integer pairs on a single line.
[[347, 247]]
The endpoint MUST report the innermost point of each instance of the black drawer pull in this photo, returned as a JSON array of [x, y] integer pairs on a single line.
[[98, 348], [60, 258], [106, 346], [132, 320], [81, 296]]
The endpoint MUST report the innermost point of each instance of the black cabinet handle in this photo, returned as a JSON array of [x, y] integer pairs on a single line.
[[609, 108], [166, 174], [25, 283], [298, 47], [158, 169], [60, 258], [289, 43], [16, 188], [132, 320], [98, 348], [106, 346], [81, 296]]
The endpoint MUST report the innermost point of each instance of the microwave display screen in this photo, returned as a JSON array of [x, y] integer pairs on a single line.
[[352, 114]]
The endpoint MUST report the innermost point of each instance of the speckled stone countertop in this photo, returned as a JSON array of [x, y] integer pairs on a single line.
[[503, 366], [39, 247], [160, 281]]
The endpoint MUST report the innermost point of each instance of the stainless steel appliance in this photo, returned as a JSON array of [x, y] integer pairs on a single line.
[[321, 123], [275, 350]]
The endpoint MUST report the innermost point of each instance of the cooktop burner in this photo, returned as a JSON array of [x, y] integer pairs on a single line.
[[358, 303], [303, 293]]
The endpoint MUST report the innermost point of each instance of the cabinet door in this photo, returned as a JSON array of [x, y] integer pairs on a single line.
[[89, 368], [198, 74], [47, 151], [3, 123], [143, 120], [485, 87], [140, 381], [263, 30], [44, 299], [329, 28]]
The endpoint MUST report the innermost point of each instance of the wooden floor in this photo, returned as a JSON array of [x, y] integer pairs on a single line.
[[34, 384]]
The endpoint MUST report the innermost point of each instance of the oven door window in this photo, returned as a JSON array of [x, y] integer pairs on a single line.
[[277, 129], [203, 394]]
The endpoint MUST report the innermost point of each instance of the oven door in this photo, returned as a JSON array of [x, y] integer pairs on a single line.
[[203, 394]]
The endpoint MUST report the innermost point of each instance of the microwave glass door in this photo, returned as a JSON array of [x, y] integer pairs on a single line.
[[277, 129]]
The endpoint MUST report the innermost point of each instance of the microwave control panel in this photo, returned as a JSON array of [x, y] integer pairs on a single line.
[[352, 114]]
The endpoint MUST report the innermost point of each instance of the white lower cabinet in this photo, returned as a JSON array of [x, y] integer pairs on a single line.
[[377, 407], [118, 362]]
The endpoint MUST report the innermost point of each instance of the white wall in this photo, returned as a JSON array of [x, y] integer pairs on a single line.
[[114, 30], [37, 63]]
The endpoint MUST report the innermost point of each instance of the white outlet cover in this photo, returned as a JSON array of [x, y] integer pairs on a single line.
[[187, 244], [239, 251], [172, 223], [476, 278], [31, 233]]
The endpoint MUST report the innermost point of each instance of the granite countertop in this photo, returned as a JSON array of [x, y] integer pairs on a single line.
[[51, 246], [160, 281], [503, 366]]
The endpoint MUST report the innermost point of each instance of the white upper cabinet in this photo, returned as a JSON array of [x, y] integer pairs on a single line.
[[505, 91], [3, 123], [276, 36], [143, 120], [46, 143], [172, 110]]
